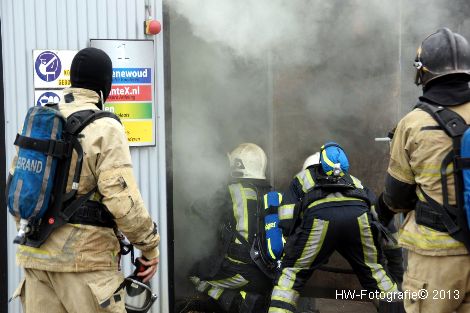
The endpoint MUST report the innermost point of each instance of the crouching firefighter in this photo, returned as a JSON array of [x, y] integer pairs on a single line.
[[332, 215], [71, 187], [427, 176], [236, 283]]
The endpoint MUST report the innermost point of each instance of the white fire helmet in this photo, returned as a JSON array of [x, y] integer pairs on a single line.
[[248, 161], [311, 160]]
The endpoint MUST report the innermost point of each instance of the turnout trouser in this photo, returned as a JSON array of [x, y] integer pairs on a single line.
[[442, 281], [342, 228], [91, 292], [236, 287]]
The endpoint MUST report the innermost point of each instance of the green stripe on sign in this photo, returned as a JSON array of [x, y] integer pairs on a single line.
[[130, 110]]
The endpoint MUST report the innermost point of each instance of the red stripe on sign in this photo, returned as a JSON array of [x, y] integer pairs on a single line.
[[121, 93]]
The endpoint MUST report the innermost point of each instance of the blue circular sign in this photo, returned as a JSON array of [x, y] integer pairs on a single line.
[[48, 66], [48, 97]]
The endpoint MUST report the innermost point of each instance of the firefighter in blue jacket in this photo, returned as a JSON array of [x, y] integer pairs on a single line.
[[333, 215]]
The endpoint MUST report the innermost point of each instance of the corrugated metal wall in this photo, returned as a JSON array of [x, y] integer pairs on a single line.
[[69, 24]]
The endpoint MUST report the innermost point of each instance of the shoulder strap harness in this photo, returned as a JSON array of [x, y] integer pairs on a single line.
[[66, 207], [446, 217]]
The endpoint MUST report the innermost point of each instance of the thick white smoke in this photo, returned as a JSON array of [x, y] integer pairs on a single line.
[[252, 28], [289, 75]]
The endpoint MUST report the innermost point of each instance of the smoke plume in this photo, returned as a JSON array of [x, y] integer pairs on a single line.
[[288, 76]]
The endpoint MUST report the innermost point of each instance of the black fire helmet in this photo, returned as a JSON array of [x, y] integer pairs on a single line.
[[442, 53]]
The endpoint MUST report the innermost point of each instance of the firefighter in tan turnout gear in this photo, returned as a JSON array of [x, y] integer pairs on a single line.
[[77, 268], [420, 182]]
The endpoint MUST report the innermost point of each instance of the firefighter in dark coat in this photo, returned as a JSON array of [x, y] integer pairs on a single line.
[[333, 215], [235, 283]]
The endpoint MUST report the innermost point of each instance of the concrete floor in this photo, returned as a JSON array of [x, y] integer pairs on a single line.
[[341, 306]]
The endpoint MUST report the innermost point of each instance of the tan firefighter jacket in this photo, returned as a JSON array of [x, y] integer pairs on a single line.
[[417, 150], [106, 164]]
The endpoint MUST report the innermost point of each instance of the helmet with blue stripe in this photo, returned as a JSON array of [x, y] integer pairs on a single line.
[[333, 159]]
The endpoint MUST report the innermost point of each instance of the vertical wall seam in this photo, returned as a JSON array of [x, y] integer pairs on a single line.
[[15, 64], [77, 25], [57, 32], [28, 84], [3, 220]]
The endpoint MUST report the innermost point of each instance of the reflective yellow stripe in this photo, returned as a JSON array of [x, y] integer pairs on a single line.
[[325, 158], [215, 292], [30, 250], [265, 201], [309, 253], [236, 281], [285, 295], [313, 245], [270, 249], [357, 182], [288, 277], [432, 170], [420, 196], [279, 310], [243, 294], [341, 174], [240, 210], [428, 241], [333, 199], [305, 179], [286, 212], [234, 261], [310, 180], [370, 256], [250, 194]]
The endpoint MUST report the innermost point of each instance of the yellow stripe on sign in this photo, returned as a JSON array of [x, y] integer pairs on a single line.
[[140, 131]]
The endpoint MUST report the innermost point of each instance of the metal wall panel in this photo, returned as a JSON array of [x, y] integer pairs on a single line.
[[69, 24]]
